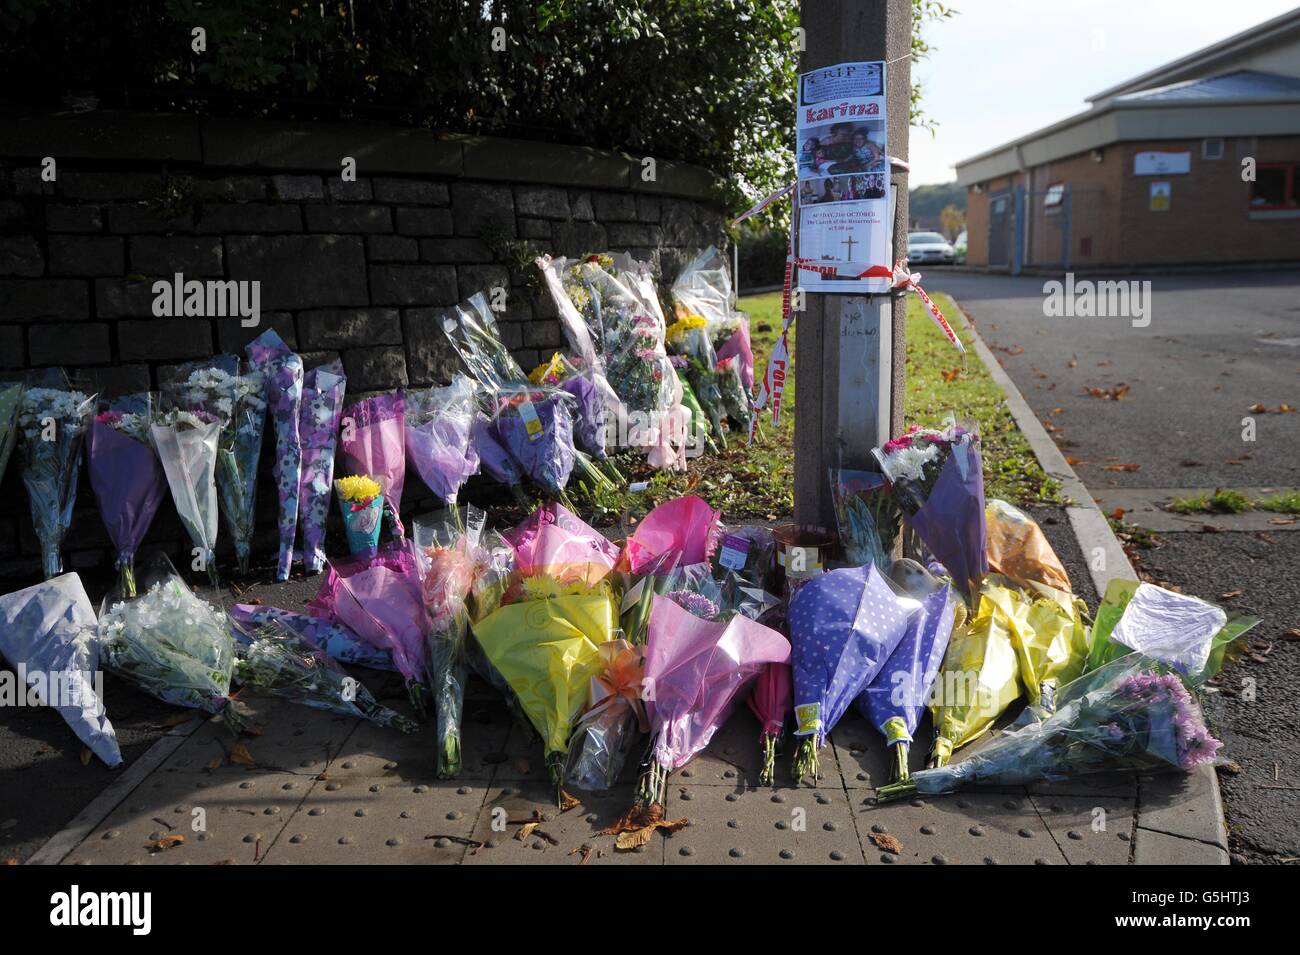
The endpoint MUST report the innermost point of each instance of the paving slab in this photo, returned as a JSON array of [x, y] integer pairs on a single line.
[[1089, 831], [1159, 848]]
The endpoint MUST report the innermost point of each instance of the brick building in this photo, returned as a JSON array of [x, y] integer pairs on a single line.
[[1196, 161]]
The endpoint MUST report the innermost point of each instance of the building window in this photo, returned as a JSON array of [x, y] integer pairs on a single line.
[[1054, 196], [1275, 187], [1211, 148]]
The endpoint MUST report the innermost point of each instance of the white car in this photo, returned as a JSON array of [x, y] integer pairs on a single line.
[[929, 247]]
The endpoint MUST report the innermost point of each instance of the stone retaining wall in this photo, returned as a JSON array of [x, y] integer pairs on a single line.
[[351, 269]]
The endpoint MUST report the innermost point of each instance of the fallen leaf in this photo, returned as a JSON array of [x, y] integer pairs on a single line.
[[239, 754], [1258, 408], [636, 826], [1073, 461], [1118, 514], [884, 840], [1113, 393], [1189, 463], [166, 842], [1123, 467], [11, 861], [1292, 634], [215, 764], [1231, 594], [951, 374], [1281, 520], [568, 801], [586, 853], [526, 830]]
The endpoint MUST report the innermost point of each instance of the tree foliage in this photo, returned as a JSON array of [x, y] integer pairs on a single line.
[[704, 81]]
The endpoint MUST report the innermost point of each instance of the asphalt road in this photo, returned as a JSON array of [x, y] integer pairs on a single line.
[[1215, 346]]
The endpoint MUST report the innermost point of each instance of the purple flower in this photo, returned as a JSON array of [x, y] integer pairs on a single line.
[[696, 604]]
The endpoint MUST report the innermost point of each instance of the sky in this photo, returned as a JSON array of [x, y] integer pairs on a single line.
[[1003, 68]]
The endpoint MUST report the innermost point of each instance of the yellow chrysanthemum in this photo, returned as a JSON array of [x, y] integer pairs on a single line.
[[543, 371], [359, 489], [684, 325]]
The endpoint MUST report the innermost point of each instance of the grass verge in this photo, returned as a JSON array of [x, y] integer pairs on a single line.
[[757, 482], [1228, 501]]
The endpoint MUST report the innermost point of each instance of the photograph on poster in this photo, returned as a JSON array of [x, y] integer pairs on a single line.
[[842, 188], [838, 148]]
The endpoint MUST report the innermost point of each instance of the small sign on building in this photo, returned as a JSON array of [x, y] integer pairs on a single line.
[[1161, 193], [1162, 164]]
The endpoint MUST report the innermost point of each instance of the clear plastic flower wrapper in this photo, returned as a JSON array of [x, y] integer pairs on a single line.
[[472, 330], [274, 659], [323, 389], [439, 437], [187, 444], [216, 387], [172, 645], [844, 626], [589, 417], [1132, 714], [379, 599], [446, 549], [126, 476], [373, 444], [334, 638], [770, 702], [865, 516], [615, 718], [282, 378], [11, 402], [54, 423], [704, 288], [48, 635]]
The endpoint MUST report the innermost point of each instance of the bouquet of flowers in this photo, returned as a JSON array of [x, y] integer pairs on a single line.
[[589, 410], [127, 478], [495, 460], [979, 679], [1017, 548], [379, 598], [844, 625], [1132, 714], [894, 701], [704, 289], [548, 650], [938, 482], [187, 447], [770, 702], [737, 403], [47, 632], [1047, 630], [474, 336], [374, 444], [276, 660], [318, 426], [687, 529], [695, 671], [554, 542], [361, 502], [282, 379], [865, 515], [1187, 633], [447, 560], [217, 389], [11, 402], [603, 737], [336, 640], [535, 426], [439, 433], [173, 646], [54, 424]]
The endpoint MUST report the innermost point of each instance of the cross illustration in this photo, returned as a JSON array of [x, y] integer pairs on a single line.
[[850, 243]]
